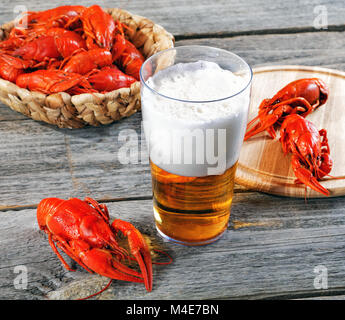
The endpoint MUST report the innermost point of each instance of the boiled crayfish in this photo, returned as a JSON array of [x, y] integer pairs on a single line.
[[301, 97], [12, 67], [109, 78], [125, 53], [310, 151], [82, 230], [53, 81], [57, 43], [83, 41]]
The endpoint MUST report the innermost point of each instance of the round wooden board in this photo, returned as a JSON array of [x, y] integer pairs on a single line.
[[262, 165]]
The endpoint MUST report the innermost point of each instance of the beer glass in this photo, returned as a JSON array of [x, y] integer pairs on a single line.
[[193, 145]]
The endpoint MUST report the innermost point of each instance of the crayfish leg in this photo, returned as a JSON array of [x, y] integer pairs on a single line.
[[262, 126], [102, 209], [53, 246], [66, 248]]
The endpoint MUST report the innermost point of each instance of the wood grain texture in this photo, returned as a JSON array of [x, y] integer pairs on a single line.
[[194, 17], [40, 161], [270, 170], [265, 253], [7, 114], [310, 49]]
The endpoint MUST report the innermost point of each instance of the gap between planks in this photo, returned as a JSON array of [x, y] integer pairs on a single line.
[[107, 200], [34, 206], [323, 294], [259, 32]]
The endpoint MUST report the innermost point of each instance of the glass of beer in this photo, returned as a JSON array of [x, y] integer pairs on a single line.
[[195, 102]]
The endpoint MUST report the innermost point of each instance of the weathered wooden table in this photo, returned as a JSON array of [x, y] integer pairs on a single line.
[[274, 246]]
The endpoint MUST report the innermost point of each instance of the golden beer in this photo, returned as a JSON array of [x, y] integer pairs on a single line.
[[192, 210], [194, 102]]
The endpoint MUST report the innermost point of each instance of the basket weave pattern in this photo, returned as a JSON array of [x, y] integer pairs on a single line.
[[76, 111]]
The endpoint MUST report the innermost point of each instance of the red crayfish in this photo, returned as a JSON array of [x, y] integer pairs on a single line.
[[310, 151], [309, 147], [99, 28], [53, 81], [301, 97], [71, 39], [11, 67], [109, 78], [50, 16], [57, 43], [83, 61], [126, 54], [82, 230]]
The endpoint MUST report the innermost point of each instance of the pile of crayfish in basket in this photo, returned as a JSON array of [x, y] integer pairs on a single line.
[[309, 147], [74, 49], [82, 230]]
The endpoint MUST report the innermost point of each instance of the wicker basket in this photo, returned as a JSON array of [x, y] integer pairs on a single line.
[[76, 111]]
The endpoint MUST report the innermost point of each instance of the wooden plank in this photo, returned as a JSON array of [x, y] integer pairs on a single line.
[[265, 253], [33, 163], [307, 49], [7, 114], [204, 17], [338, 297], [41, 160]]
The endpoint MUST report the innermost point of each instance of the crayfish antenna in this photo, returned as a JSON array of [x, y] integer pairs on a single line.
[[166, 254], [99, 292]]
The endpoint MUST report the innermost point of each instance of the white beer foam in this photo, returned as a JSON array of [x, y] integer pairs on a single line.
[[196, 81], [167, 120]]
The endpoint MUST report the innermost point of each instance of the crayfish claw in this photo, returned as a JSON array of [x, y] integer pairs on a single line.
[[305, 176], [103, 262], [139, 249], [262, 126], [144, 260], [82, 231]]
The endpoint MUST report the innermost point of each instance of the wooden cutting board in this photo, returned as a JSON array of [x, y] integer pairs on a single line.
[[262, 165]]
